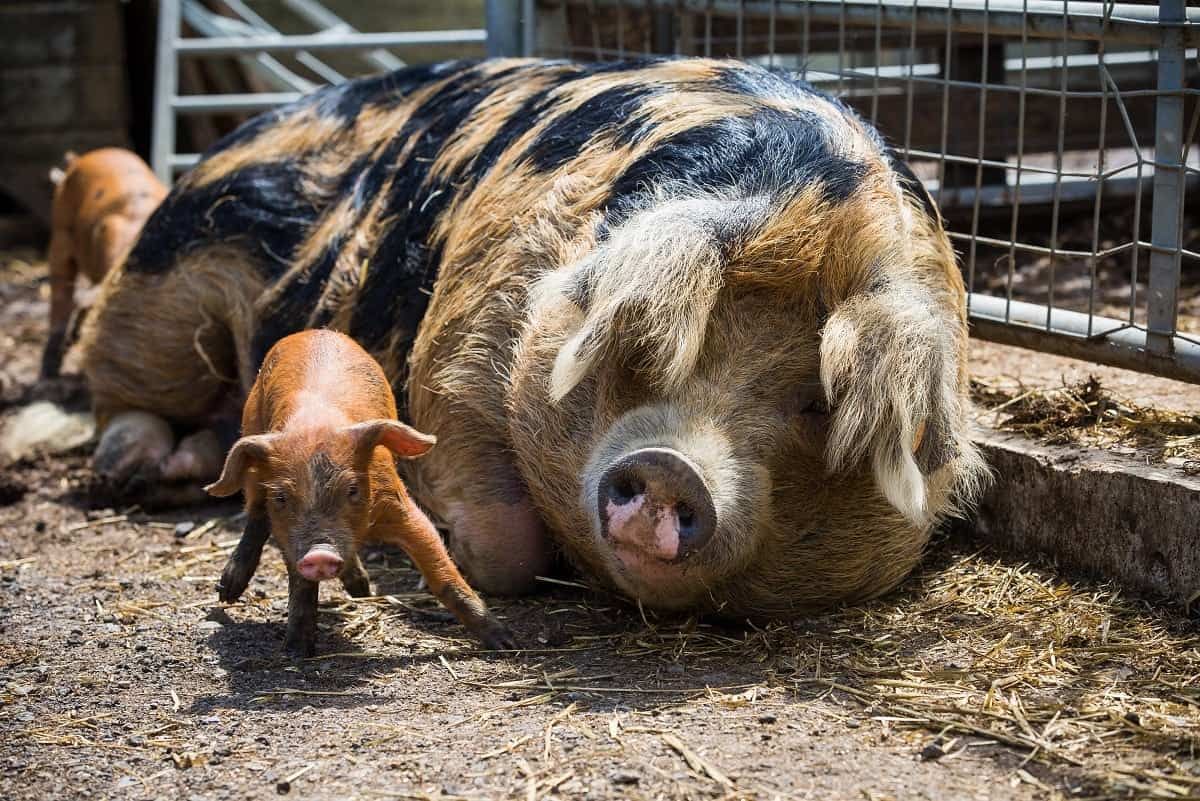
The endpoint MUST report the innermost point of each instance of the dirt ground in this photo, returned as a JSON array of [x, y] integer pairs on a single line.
[[122, 677]]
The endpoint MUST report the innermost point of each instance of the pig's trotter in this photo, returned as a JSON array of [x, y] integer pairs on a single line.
[[354, 578], [474, 615], [302, 617], [243, 562], [131, 449]]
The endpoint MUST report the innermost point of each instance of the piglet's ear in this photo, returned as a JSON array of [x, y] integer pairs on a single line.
[[246, 453], [404, 441]]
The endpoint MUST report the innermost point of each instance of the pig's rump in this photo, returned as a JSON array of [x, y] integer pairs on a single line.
[[563, 268]]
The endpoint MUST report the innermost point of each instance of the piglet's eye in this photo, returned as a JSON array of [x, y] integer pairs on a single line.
[[279, 498], [352, 491]]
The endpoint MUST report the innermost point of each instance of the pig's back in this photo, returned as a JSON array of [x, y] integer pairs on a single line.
[[351, 202]]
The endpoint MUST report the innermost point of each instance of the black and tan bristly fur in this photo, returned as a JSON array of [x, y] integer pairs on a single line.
[[553, 261]]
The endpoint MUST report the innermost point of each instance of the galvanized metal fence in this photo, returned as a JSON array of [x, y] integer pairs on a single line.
[[1057, 136]]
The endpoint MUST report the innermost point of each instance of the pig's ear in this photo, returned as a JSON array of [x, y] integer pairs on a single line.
[[404, 441], [651, 284], [245, 453], [889, 364]]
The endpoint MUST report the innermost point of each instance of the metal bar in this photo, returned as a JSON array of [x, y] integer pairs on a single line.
[[254, 101], [166, 84], [503, 35], [318, 67], [318, 15], [320, 41], [1133, 24], [1117, 344], [209, 23], [1163, 283]]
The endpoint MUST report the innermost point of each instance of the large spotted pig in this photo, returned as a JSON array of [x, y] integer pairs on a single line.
[[690, 321]]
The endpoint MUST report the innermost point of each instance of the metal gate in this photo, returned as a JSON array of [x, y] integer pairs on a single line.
[[1056, 136]]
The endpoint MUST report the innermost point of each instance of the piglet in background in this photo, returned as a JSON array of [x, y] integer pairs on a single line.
[[316, 465], [101, 201]]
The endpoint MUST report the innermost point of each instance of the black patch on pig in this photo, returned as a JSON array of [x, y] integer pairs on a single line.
[[912, 185], [262, 208], [403, 268], [770, 152], [606, 113]]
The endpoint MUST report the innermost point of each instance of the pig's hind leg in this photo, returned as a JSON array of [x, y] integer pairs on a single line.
[[243, 562]]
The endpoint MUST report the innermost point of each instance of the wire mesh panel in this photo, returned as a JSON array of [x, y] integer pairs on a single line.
[[1057, 138]]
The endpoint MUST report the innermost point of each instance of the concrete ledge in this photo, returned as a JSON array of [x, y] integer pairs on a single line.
[[1109, 516]]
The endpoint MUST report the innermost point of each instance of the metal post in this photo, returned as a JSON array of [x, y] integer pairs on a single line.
[[504, 35], [1168, 182], [166, 85]]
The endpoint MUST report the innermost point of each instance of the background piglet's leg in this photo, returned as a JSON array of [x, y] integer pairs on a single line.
[[63, 271]]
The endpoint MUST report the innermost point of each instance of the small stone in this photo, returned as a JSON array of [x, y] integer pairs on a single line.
[[853, 724], [184, 528], [135, 740], [675, 668], [624, 777], [933, 751], [209, 625], [768, 718], [24, 716]]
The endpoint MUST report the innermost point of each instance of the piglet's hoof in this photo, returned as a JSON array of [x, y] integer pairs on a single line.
[[300, 647], [494, 635], [234, 579]]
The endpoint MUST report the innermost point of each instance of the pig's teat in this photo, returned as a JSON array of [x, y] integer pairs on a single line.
[[653, 503], [320, 564]]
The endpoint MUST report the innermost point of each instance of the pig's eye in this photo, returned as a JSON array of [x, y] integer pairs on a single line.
[[814, 406], [279, 498], [352, 491]]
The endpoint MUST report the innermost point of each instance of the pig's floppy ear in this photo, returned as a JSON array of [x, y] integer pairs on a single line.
[[244, 454], [652, 284], [889, 364], [404, 441]]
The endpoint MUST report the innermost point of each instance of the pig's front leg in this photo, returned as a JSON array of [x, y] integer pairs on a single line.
[[302, 616], [243, 562], [402, 523], [355, 579]]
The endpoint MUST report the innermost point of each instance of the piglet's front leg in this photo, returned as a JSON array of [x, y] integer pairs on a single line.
[[302, 616], [243, 562], [402, 523], [355, 579]]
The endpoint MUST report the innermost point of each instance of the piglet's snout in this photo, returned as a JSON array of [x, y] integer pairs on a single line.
[[319, 564], [654, 503]]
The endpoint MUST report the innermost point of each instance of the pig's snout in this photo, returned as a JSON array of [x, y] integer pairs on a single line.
[[654, 503], [320, 564]]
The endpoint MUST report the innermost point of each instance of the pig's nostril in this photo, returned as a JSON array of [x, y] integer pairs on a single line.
[[687, 518], [626, 488]]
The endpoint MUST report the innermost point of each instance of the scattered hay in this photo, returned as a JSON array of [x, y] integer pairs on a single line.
[[1085, 413]]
